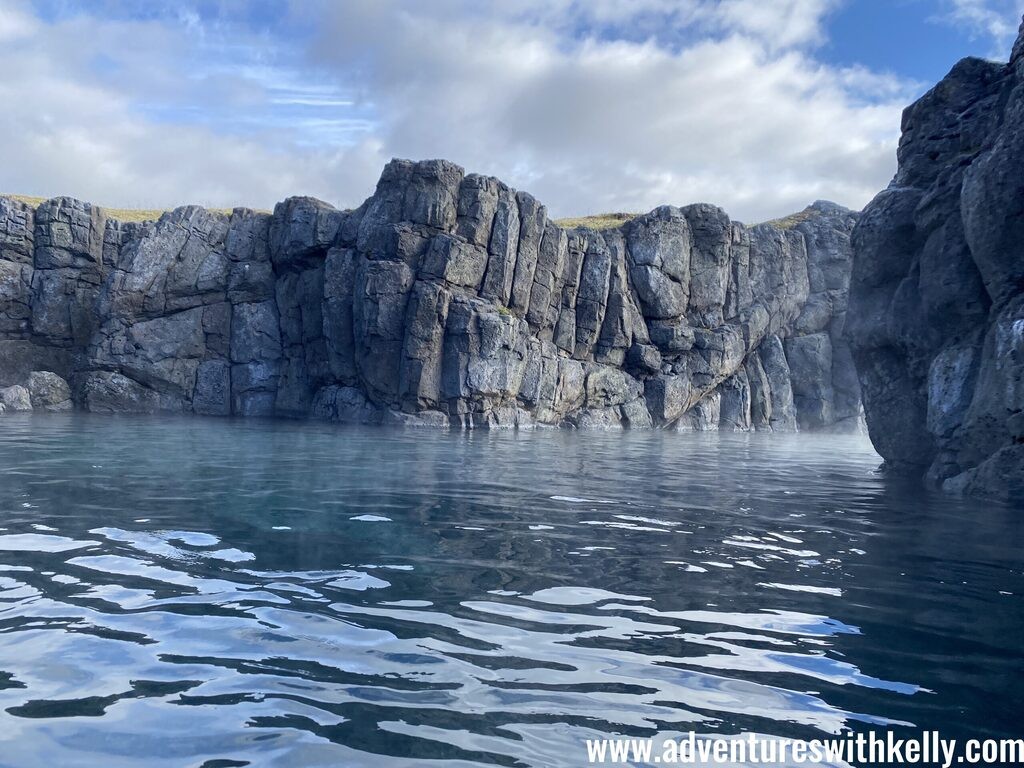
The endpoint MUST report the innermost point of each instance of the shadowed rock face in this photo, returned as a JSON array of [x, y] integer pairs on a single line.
[[937, 301], [445, 299]]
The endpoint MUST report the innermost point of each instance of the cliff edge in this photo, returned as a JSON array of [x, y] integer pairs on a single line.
[[937, 296]]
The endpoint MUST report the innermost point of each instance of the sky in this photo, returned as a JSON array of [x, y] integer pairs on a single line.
[[591, 105]]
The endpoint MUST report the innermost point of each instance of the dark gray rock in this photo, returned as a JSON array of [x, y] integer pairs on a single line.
[[502, 249], [936, 310], [212, 395], [545, 295], [477, 203], [659, 246], [68, 269], [704, 416], [419, 377], [17, 225], [15, 398], [643, 359], [533, 219], [635, 414], [255, 333], [48, 391], [345, 405], [445, 299], [15, 298], [606, 386], [672, 337], [667, 397], [19, 357], [810, 365], [301, 230], [17, 231], [760, 394], [427, 419], [780, 384], [338, 296], [592, 295], [710, 263], [735, 407], [109, 392], [455, 261]]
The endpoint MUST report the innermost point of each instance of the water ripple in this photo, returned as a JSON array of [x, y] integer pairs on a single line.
[[177, 592]]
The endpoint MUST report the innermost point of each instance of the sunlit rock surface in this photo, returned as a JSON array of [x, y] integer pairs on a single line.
[[445, 299]]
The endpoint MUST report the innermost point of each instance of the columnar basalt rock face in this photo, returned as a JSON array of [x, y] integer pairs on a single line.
[[937, 301], [445, 299]]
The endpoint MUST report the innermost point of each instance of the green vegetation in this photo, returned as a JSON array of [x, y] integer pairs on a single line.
[[788, 222], [121, 214], [26, 199], [599, 221]]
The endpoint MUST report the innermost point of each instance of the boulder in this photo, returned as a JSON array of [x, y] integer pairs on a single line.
[[48, 391], [15, 398], [109, 392]]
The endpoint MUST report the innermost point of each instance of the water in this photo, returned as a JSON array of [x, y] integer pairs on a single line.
[[202, 592]]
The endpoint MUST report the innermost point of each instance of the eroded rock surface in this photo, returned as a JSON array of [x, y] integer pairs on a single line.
[[445, 299], [937, 301]]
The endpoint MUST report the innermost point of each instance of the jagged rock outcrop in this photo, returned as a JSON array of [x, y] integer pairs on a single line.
[[937, 302], [445, 299]]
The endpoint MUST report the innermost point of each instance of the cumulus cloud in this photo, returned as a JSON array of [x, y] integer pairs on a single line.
[[590, 106], [779, 24], [746, 118], [995, 20], [111, 111]]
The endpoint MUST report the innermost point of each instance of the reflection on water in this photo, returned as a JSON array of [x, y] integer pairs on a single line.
[[174, 592]]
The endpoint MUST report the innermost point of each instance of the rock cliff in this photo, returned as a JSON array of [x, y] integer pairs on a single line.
[[937, 301], [445, 299]]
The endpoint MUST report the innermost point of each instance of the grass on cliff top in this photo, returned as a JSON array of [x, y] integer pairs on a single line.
[[599, 221], [614, 220], [788, 222], [121, 214]]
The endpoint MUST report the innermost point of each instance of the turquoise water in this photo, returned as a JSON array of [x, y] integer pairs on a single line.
[[203, 592]]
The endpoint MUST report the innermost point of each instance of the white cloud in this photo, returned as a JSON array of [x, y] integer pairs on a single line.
[[15, 24], [591, 106], [68, 129], [996, 20], [746, 118], [779, 24]]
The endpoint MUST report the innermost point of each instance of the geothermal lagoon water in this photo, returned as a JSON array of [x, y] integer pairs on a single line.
[[203, 592]]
